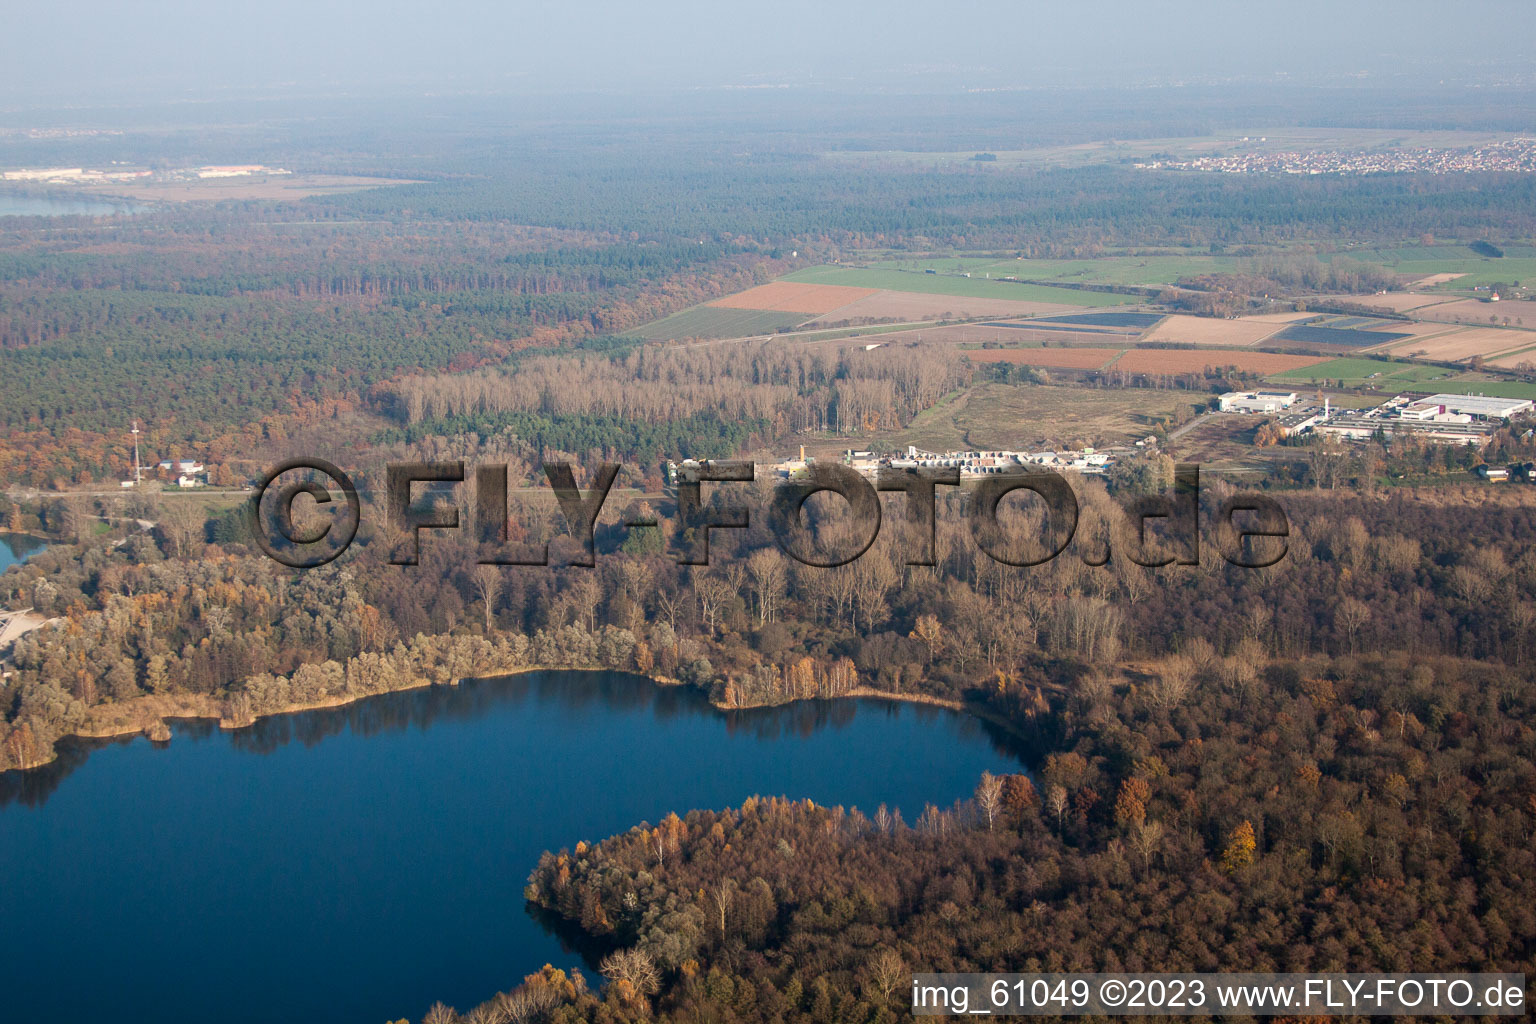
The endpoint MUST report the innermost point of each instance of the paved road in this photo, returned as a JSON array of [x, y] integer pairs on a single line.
[[1179, 432]]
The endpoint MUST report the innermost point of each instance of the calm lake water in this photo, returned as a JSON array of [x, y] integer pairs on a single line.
[[59, 206], [357, 864], [18, 547]]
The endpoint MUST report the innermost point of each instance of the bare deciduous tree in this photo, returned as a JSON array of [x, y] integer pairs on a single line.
[[488, 586], [989, 797], [634, 966]]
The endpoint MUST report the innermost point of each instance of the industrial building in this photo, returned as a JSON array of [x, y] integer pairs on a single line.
[[1256, 401], [1363, 426], [1480, 407]]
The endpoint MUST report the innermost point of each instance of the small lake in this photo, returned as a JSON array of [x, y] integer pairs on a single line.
[[18, 205], [18, 547], [359, 863]]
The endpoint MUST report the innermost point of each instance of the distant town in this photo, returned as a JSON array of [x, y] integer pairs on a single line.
[[1518, 154]]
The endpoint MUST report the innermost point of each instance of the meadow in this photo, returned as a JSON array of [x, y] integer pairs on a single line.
[[1351, 372], [1138, 271], [944, 284], [1403, 377], [1517, 264], [715, 322]]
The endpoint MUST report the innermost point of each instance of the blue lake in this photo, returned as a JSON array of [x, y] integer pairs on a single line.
[[359, 863], [18, 547]]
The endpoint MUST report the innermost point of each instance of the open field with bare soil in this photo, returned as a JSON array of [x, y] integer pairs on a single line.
[[793, 297], [1059, 358], [1034, 416], [1462, 344], [1476, 310], [1164, 360], [1203, 330], [1515, 360], [886, 304], [1416, 330]]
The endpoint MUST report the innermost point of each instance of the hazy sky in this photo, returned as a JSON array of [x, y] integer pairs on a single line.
[[93, 51]]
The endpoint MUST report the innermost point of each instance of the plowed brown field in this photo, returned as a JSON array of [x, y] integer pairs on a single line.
[[793, 297]]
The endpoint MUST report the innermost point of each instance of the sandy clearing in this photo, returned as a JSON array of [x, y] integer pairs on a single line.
[[888, 304], [794, 297], [1203, 330]]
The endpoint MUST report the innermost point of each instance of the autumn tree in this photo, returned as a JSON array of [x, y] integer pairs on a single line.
[[1240, 849]]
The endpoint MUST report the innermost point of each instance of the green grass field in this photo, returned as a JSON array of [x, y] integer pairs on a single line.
[[1492, 388], [1140, 271], [1365, 371], [1517, 264], [716, 322], [943, 284], [1404, 377]]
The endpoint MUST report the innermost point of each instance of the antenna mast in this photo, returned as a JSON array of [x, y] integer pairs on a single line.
[[137, 474]]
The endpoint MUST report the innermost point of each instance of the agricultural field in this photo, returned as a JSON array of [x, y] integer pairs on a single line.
[[1136, 271], [1289, 317], [706, 322], [1418, 329], [1434, 279], [944, 284], [1107, 318], [1183, 360], [1204, 330], [1455, 268], [793, 297], [1351, 372], [886, 304], [1038, 416], [1463, 344], [1339, 337], [1478, 311], [1492, 388], [1514, 359]]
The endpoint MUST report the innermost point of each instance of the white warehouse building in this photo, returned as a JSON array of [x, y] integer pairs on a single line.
[[1256, 401], [1476, 406]]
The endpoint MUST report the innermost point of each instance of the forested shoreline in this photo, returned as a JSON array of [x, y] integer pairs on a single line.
[[1327, 764]]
